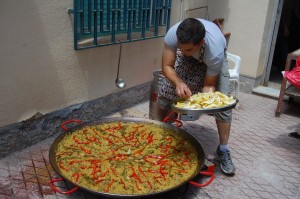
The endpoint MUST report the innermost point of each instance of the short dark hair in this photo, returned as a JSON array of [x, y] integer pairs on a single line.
[[190, 30]]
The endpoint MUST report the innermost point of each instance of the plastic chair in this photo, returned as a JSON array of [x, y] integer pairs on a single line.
[[235, 72]]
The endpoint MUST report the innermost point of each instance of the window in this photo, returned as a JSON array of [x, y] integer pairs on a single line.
[[106, 22]]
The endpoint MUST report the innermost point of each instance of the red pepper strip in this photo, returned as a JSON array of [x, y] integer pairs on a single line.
[[139, 151], [135, 175], [96, 140], [115, 157], [145, 159], [112, 129], [114, 172], [64, 153], [161, 162], [91, 139], [165, 147], [94, 161], [175, 163], [84, 149], [110, 184], [114, 135], [163, 157], [164, 162], [184, 162], [141, 171], [98, 180], [74, 161], [162, 172], [169, 139], [60, 164], [155, 178], [155, 156], [142, 132], [150, 185], [104, 174], [137, 186], [76, 175], [150, 139], [78, 141], [95, 131], [123, 183], [95, 169], [181, 171], [143, 135], [118, 158], [108, 140], [94, 173], [152, 171]]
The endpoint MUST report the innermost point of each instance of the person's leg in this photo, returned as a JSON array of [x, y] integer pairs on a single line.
[[224, 131], [223, 121]]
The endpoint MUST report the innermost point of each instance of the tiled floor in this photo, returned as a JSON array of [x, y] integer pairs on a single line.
[[267, 159]]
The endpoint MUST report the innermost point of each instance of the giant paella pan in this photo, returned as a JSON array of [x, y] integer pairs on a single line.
[[126, 157]]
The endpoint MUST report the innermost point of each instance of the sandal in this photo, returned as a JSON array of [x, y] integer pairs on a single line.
[[294, 135]]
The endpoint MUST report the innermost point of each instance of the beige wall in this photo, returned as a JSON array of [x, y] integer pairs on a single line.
[[40, 71], [249, 23]]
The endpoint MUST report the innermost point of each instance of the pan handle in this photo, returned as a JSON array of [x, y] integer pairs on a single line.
[[70, 121], [177, 121], [205, 173], [59, 191]]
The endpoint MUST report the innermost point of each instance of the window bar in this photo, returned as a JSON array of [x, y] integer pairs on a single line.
[[95, 11], [130, 13], [81, 17], [169, 14], [119, 8], [161, 8], [134, 14], [108, 14], [156, 19], [140, 10], [89, 13], [165, 12], [153, 13], [113, 24], [75, 24], [142, 19], [101, 15], [148, 13], [125, 9]]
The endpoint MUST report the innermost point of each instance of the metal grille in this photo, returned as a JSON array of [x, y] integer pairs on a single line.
[[106, 22]]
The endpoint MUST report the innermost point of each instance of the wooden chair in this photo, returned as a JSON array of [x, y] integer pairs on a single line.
[[219, 23]]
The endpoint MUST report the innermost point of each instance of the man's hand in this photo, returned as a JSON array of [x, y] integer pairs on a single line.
[[182, 90], [210, 83]]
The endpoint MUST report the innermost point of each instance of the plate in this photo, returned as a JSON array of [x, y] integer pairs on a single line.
[[190, 111]]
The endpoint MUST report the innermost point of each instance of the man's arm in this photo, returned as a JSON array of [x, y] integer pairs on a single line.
[[210, 83], [168, 62]]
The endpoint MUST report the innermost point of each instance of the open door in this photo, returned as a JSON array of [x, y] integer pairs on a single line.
[[285, 39]]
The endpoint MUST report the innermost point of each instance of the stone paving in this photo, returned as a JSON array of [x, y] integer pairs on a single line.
[[267, 159]]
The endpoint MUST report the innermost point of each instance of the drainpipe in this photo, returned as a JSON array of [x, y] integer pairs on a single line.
[[181, 10]]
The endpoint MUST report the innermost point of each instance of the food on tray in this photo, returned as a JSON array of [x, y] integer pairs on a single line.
[[206, 101], [126, 158]]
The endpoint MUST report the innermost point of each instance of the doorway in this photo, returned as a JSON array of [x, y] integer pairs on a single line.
[[286, 39]]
